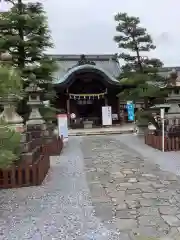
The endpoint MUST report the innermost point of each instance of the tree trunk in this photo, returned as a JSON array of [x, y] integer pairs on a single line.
[[138, 55], [146, 103], [139, 60], [21, 57]]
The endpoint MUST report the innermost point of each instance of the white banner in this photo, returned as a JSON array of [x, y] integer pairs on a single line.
[[63, 126], [106, 116]]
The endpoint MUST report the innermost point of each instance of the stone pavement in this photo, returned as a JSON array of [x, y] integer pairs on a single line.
[[168, 161], [98, 189], [129, 194]]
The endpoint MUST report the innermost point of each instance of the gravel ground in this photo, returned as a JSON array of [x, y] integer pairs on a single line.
[[100, 188], [60, 209]]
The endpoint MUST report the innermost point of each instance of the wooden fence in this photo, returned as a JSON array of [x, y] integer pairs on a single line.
[[31, 172], [170, 143], [53, 147], [24, 174]]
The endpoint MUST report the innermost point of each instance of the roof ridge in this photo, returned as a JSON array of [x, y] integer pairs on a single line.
[[89, 56]]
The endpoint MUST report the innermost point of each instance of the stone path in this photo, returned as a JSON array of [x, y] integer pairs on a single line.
[[168, 161], [98, 189], [129, 194]]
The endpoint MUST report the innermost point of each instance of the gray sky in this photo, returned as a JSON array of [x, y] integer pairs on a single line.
[[87, 26]]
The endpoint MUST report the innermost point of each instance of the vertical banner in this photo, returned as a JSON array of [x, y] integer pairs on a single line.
[[106, 116], [63, 126], [130, 110]]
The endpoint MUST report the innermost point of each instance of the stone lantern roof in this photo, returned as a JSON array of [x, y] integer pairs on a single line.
[[33, 88]]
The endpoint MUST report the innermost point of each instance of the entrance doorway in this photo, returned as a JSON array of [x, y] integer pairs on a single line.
[[90, 110]]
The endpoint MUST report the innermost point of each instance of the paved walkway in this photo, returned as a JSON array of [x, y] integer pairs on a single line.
[[168, 161], [98, 189]]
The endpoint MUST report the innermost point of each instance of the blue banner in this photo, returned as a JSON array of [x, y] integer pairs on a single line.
[[130, 110]]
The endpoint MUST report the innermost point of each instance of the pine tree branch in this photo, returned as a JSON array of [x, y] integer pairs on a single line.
[[139, 74]]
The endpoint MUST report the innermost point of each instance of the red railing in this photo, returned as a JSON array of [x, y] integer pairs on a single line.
[[25, 175], [31, 173], [170, 143], [53, 147]]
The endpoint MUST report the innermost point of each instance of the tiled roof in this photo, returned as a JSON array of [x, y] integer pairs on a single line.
[[164, 72], [110, 78], [108, 63]]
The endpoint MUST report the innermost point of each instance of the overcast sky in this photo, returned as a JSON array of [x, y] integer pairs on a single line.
[[87, 26]]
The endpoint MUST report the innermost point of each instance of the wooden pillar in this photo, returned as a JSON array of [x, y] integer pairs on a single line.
[[106, 99], [118, 109], [122, 113], [68, 106]]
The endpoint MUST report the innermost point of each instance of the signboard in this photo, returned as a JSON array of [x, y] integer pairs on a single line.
[[106, 116], [130, 110], [162, 113], [63, 126]]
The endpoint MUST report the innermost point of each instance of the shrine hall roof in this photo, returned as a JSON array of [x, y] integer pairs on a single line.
[[164, 72], [106, 63]]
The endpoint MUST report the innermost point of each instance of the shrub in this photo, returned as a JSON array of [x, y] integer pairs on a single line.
[[9, 146]]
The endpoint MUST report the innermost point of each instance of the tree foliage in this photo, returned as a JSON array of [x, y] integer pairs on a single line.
[[139, 72], [10, 82], [25, 35], [10, 86]]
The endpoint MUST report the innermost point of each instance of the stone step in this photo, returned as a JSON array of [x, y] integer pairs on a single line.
[[88, 133]]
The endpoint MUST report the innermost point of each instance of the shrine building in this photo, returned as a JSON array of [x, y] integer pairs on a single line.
[[85, 83]]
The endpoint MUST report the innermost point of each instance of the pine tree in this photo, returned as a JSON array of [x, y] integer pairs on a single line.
[[139, 73], [24, 33], [10, 86]]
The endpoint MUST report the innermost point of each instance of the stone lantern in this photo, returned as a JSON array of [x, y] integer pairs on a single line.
[[9, 114], [34, 92], [36, 124], [173, 98], [6, 57]]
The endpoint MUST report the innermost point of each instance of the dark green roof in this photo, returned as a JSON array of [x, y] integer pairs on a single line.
[[107, 64], [164, 72]]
